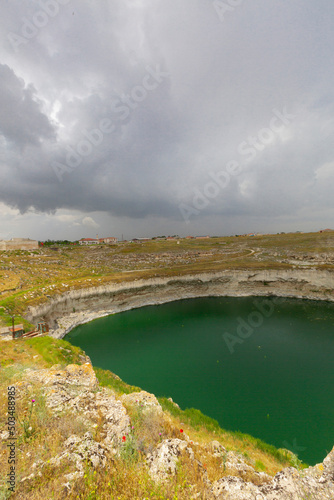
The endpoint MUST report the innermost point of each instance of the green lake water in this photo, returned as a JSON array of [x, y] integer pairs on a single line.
[[272, 377]]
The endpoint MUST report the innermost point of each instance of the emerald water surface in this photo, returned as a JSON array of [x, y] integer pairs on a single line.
[[276, 383]]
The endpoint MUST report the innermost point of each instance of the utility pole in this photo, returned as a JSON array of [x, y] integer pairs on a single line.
[[13, 321]]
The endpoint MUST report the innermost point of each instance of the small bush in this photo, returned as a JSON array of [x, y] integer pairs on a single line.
[[149, 427], [129, 452]]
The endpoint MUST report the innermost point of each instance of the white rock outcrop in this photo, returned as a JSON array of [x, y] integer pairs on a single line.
[[76, 389], [314, 483], [163, 461], [143, 399]]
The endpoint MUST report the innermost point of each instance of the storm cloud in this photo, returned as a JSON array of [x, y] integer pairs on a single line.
[[179, 116]]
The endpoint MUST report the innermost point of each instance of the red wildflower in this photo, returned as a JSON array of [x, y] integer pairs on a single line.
[[181, 430], [123, 438]]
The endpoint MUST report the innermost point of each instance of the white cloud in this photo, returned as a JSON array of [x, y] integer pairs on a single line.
[[89, 222], [326, 172], [66, 218]]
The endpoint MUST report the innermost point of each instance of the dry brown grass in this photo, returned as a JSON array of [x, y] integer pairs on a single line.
[[41, 439]]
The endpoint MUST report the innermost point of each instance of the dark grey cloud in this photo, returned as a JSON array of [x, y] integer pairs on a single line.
[[127, 108], [22, 119]]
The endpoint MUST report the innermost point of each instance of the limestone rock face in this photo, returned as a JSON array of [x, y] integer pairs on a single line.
[[316, 483], [234, 488], [328, 464], [236, 466], [290, 484], [162, 462], [143, 399], [117, 422], [86, 449], [217, 449], [76, 389], [91, 303], [79, 451], [80, 375]]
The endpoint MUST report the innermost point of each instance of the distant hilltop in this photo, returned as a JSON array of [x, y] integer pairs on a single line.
[[19, 244]]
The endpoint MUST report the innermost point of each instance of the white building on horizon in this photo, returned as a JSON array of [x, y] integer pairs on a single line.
[[110, 240], [19, 244]]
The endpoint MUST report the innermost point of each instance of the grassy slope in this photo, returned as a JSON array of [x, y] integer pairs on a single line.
[[125, 476]]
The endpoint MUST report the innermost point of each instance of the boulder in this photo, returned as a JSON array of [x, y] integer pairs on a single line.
[[76, 375], [143, 399], [315, 483], [163, 461], [75, 389]]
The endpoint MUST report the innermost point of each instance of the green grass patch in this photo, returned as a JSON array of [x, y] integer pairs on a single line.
[[56, 351], [6, 320], [9, 304], [259, 466], [191, 416], [197, 420], [281, 455], [108, 379]]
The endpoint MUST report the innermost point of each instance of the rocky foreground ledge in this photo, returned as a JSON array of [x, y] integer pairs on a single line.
[[76, 391], [76, 307]]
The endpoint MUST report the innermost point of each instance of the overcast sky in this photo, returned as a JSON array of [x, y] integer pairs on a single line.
[[150, 117]]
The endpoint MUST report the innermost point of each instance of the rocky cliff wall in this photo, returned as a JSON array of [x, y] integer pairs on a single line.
[[75, 307]]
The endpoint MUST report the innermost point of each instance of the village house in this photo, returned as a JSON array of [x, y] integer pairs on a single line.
[[89, 241], [110, 240]]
